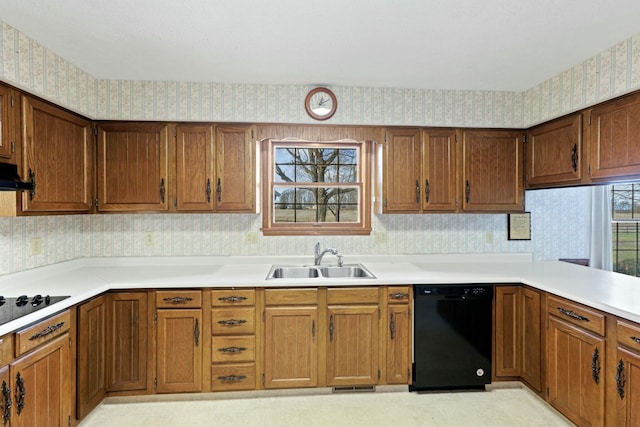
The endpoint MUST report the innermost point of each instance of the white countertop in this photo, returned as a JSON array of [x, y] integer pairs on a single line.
[[84, 278]]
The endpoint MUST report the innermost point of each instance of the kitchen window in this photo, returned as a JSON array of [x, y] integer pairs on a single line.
[[316, 188], [625, 232]]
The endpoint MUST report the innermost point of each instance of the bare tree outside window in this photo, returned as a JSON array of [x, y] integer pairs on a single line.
[[625, 231], [316, 184]]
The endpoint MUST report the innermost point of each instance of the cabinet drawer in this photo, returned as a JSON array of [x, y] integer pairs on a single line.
[[629, 334], [291, 296], [241, 376], [398, 294], [6, 349], [233, 321], [42, 332], [366, 295], [232, 297], [233, 349], [576, 313], [179, 299]]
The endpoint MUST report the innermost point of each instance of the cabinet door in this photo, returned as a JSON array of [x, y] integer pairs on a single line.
[[352, 347], [235, 187], [127, 341], [531, 343], [576, 385], [8, 125], [6, 396], [194, 168], [402, 157], [492, 171], [291, 347], [133, 167], [627, 388], [614, 138], [92, 348], [554, 153], [41, 383], [439, 191], [179, 352], [399, 345], [508, 336], [58, 157]]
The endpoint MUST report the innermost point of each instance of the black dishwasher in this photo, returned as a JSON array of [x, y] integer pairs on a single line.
[[451, 336]]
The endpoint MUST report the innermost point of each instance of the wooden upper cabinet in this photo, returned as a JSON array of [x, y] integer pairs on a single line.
[[420, 171], [8, 124], [234, 186], [133, 167], [439, 170], [614, 139], [402, 160], [58, 155], [492, 177], [194, 168], [554, 153]]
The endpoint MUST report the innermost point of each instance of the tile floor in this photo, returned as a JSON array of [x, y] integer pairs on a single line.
[[497, 406]]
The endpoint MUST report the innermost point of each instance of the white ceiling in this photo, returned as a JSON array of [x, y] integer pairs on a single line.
[[508, 45]]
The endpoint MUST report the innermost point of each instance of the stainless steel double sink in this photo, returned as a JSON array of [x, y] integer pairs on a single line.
[[347, 271]]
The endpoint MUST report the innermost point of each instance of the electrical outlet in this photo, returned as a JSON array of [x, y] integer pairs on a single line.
[[149, 238], [36, 246], [489, 237], [251, 238], [380, 237]]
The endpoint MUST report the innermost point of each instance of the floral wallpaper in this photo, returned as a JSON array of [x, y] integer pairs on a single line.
[[29, 65]]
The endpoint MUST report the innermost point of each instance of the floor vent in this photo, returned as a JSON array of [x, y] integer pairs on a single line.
[[353, 389]]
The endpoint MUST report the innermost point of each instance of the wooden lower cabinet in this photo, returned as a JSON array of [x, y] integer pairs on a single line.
[[92, 346], [179, 350], [399, 345], [41, 384], [291, 347], [352, 345], [575, 373], [6, 398], [627, 386], [127, 341]]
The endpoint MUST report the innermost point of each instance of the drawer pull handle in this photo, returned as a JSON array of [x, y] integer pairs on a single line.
[[23, 392], [573, 314], [636, 340], [232, 298], [208, 190], [177, 300], [233, 349], [231, 322], [46, 331], [232, 378], [399, 295], [620, 380], [595, 366], [6, 396]]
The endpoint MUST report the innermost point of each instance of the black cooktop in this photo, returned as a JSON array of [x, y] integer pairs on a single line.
[[14, 308]]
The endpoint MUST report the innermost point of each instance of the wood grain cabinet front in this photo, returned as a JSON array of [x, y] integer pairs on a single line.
[[58, 157], [233, 339], [291, 338], [576, 363], [626, 385], [179, 341], [9, 125], [492, 177], [419, 172], [398, 334]]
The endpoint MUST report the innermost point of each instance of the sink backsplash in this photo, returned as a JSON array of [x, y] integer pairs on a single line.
[[560, 227]]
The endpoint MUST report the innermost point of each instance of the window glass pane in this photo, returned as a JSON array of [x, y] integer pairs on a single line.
[[324, 204]]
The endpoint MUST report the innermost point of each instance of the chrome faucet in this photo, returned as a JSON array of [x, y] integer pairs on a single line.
[[320, 253]]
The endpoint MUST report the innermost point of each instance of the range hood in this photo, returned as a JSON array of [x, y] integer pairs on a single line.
[[10, 180]]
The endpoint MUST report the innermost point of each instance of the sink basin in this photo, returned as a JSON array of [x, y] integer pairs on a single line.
[[293, 273], [350, 271], [354, 271]]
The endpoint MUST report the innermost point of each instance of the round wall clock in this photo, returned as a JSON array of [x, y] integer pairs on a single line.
[[320, 103]]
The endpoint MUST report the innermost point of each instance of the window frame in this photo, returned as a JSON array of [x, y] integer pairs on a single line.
[[622, 226], [272, 228]]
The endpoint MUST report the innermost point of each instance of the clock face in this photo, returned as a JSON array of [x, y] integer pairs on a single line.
[[321, 103]]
